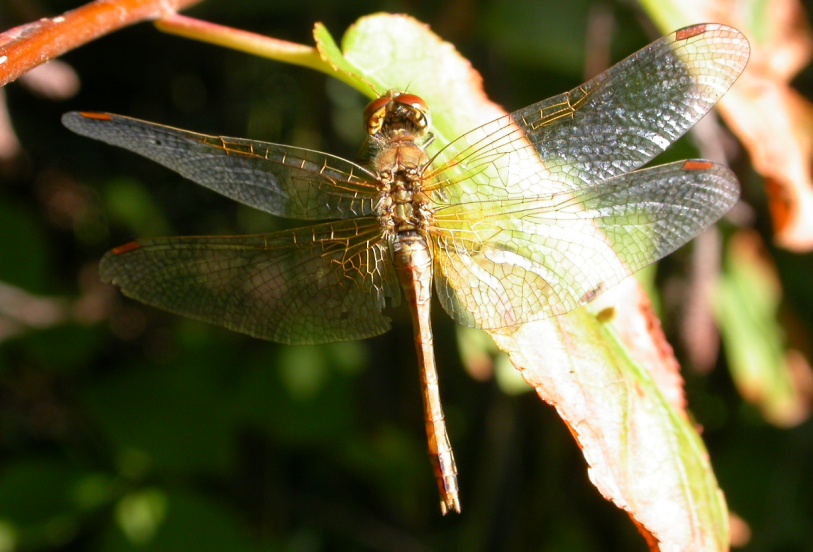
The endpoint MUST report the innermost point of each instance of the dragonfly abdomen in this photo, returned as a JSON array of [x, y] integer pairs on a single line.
[[413, 264]]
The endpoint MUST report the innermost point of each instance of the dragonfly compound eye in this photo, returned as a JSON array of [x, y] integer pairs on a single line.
[[415, 109], [375, 113]]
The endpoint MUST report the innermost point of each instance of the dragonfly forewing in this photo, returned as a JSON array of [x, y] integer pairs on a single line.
[[278, 179], [319, 284]]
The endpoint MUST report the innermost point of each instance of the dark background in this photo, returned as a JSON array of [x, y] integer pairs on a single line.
[[126, 428]]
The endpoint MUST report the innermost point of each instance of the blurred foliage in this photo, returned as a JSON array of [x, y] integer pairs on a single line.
[[125, 428]]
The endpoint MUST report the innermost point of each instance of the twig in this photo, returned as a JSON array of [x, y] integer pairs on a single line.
[[27, 46]]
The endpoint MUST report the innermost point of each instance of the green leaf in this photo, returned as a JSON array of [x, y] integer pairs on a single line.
[[643, 452]]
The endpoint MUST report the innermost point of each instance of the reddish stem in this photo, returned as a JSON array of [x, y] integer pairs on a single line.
[[23, 48]]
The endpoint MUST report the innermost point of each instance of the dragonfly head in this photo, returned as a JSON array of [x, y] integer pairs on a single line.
[[397, 113]]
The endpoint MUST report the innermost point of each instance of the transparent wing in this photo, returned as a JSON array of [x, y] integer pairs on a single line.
[[318, 284], [281, 180], [608, 126], [503, 262]]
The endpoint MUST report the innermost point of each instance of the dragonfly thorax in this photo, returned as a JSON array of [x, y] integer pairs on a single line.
[[402, 206]]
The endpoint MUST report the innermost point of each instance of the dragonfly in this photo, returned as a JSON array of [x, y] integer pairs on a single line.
[[526, 217]]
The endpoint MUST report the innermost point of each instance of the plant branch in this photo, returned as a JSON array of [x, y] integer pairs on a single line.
[[252, 43], [27, 46]]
